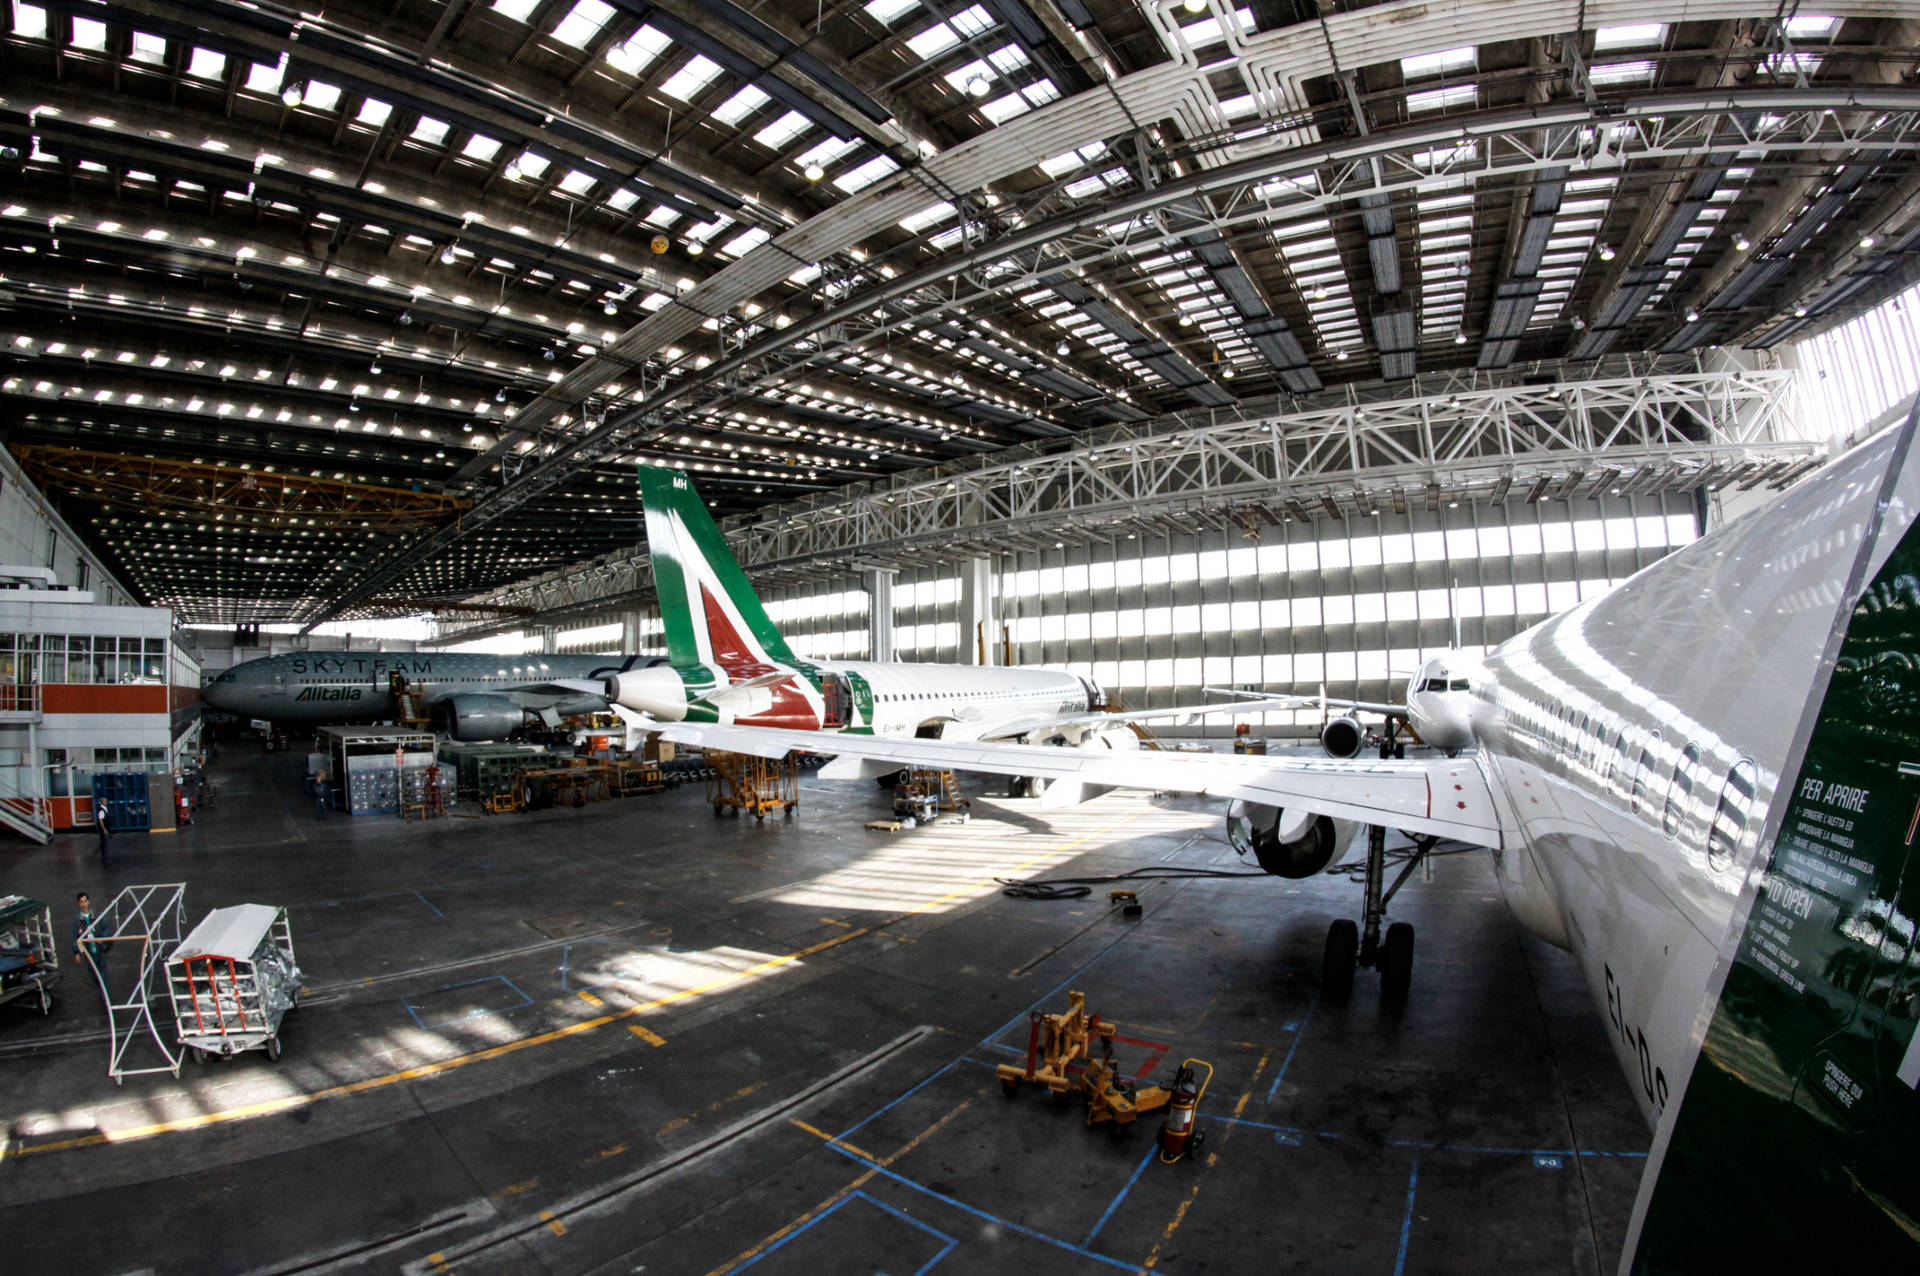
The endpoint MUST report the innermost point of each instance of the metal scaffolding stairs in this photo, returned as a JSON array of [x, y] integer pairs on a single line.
[[27, 817]]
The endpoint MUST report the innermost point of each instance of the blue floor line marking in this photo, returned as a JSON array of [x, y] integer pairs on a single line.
[[1416, 1145], [429, 903], [1406, 1224], [566, 967], [794, 1235], [1138, 1170], [1298, 1033], [979, 1213], [471, 1014], [928, 1228], [945, 1068]]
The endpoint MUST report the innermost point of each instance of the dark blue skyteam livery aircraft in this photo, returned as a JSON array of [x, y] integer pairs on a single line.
[[469, 695]]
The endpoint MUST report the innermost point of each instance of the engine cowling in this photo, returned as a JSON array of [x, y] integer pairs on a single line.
[[1286, 842], [1343, 737], [478, 717]]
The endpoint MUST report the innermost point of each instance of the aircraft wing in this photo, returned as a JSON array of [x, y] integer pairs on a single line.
[[1274, 700], [1364, 706], [1444, 796], [1024, 724]]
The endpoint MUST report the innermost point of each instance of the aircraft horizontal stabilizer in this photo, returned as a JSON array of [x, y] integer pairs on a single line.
[[1275, 700], [1444, 796], [1030, 723]]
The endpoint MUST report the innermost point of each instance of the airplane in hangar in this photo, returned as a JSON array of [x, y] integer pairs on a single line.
[[1436, 711], [1704, 783], [469, 695]]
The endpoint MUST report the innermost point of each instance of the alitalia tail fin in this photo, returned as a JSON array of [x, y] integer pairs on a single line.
[[711, 613]]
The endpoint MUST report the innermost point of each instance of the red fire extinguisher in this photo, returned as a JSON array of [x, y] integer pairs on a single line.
[[1179, 1133]]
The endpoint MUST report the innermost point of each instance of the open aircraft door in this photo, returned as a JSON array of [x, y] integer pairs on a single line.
[[837, 693]]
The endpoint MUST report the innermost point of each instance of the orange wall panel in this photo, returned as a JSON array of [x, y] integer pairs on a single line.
[[64, 697]]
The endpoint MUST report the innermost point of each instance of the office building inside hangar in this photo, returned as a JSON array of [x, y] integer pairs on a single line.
[[1181, 347]]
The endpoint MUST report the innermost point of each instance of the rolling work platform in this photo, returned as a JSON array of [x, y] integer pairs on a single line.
[[153, 918], [756, 786]]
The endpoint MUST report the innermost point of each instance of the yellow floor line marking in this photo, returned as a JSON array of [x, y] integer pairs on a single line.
[[647, 1035], [288, 1103], [1180, 1215], [554, 1225], [818, 1133], [516, 1189], [834, 921], [589, 998], [844, 1192]]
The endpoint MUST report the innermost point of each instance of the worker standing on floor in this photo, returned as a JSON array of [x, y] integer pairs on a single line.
[[90, 953], [106, 838]]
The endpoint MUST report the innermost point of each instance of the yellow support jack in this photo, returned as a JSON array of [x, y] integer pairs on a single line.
[[1054, 1044]]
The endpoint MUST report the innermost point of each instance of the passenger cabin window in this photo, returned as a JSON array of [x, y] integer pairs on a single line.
[[1643, 773], [1730, 817], [1680, 790], [1617, 762]]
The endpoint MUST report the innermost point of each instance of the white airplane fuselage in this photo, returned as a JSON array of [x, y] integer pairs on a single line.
[[885, 698], [1611, 734]]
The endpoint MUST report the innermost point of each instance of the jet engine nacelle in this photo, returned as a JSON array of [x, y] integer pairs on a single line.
[[1343, 737], [1287, 842], [478, 717]]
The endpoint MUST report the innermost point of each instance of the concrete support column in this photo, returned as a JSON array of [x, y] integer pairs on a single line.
[[549, 639], [629, 632], [979, 628], [879, 582]]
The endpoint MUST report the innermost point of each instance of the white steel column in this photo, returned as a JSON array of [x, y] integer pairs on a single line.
[[979, 630], [879, 582]]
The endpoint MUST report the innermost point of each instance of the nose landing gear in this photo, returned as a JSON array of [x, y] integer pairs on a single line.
[[1350, 946]]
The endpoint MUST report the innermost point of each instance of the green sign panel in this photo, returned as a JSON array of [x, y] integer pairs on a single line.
[[1797, 1147]]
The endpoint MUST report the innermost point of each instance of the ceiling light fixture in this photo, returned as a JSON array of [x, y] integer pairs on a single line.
[[1607, 253], [815, 171], [1742, 243], [1693, 316], [500, 395], [977, 85], [292, 95], [695, 248], [1186, 321], [1194, 6], [782, 320], [1868, 241], [1459, 336], [1063, 349]]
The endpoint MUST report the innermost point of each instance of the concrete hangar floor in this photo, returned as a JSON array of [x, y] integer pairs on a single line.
[[634, 1037]]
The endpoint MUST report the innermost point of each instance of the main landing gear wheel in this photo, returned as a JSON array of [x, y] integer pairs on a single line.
[[1337, 962], [1396, 963]]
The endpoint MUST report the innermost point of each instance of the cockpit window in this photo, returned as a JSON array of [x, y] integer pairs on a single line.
[[1434, 684], [1458, 684]]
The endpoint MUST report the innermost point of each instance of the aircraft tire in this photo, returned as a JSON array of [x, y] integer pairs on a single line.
[[1396, 963], [1337, 962]]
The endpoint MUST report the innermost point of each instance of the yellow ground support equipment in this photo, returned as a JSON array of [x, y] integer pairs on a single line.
[[757, 786], [1061, 1046], [1055, 1043], [638, 777]]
